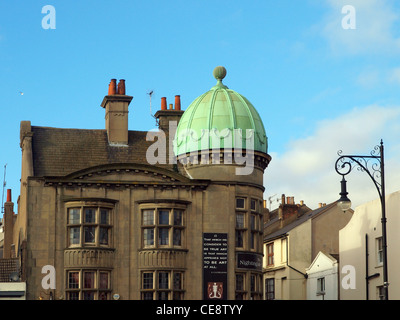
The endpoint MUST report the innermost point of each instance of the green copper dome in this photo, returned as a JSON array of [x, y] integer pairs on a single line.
[[219, 119]]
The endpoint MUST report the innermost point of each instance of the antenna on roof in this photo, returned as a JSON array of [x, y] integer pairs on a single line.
[[150, 95], [270, 200], [4, 187]]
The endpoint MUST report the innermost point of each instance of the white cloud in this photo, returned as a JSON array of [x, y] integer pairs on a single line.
[[306, 170], [375, 27]]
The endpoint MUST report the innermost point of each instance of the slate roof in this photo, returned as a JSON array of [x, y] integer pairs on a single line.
[[298, 221], [59, 152]]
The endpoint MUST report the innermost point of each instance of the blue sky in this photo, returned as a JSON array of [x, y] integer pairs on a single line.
[[317, 86]]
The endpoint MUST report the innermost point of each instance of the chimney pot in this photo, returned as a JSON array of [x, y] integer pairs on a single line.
[[121, 87], [163, 103], [112, 87], [170, 106], [177, 102], [8, 195]]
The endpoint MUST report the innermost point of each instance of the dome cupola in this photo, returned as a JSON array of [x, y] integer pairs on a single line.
[[220, 119]]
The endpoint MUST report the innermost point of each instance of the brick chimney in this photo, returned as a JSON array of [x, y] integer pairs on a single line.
[[288, 211], [116, 105], [168, 120], [165, 115], [8, 226]]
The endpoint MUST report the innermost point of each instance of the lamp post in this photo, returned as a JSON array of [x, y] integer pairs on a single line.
[[374, 166]]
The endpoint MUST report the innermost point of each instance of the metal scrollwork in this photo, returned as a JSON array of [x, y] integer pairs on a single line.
[[371, 164]]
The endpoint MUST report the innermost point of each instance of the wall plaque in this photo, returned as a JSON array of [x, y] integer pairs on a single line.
[[215, 266]]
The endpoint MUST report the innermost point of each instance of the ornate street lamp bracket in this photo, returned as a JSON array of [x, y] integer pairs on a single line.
[[371, 164]]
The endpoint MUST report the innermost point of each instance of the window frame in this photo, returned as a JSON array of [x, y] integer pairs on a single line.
[[269, 294], [249, 228], [270, 254], [321, 286], [82, 290], [81, 226], [164, 235], [240, 292], [159, 291], [379, 251]]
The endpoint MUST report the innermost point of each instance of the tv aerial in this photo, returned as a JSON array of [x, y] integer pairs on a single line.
[[270, 200], [150, 93], [4, 187]]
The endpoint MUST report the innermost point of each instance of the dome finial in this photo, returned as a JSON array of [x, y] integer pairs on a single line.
[[219, 73]]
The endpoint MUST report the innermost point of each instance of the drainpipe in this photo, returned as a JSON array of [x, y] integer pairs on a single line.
[[305, 275]]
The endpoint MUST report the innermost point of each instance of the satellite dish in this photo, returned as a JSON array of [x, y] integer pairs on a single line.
[[14, 276]]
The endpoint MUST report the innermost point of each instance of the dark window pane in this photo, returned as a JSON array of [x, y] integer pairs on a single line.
[[73, 295], [177, 217], [103, 235], [163, 280], [163, 236], [239, 282], [89, 234], [239, 238], [147, 296], [163, 217], [88, 295], [148, 280], [177, 237], [240, 203], [103, 295], [163, 295], [253, 204], [104, 216], [73, 280], [90, 215], [88, 280], [177, 281], [103, 280]]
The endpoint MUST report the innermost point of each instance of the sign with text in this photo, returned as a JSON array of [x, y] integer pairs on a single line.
[[215, 265], [250, 261]]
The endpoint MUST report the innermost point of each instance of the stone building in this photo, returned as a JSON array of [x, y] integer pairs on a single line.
[[122, 214]]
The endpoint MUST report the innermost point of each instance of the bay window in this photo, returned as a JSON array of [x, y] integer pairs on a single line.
[[162, 285], [162, 227], [89, 226], [85, 284]]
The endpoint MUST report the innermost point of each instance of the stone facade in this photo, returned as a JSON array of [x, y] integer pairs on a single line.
[[114, 226]]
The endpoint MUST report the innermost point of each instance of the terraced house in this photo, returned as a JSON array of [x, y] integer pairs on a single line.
[[125, 214]]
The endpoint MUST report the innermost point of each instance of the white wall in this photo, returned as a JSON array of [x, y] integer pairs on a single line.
[[13, 286], [367, 220], [323, 267]]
